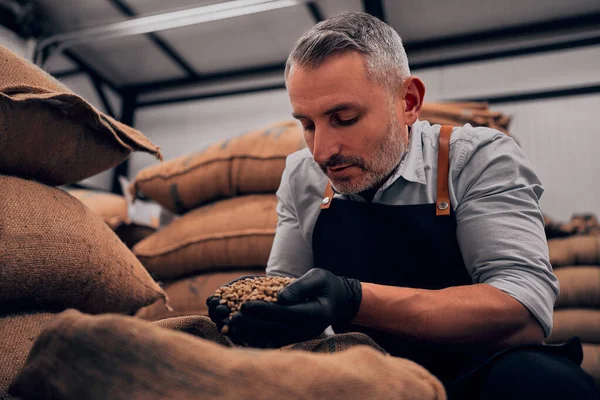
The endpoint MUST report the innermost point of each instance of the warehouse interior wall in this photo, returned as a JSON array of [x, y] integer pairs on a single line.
[[15, 43]]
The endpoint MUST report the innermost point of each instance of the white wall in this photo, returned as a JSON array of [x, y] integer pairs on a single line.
[[15, 43], [559, 135]]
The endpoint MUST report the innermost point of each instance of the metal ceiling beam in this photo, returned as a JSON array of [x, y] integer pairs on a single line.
[[375, 8], [128, 109], [206, 78], [67, 73], [102, 95], [498, 54], [550, 94], [160, 22], [212, 95], [315, 11], [84, 66], [166, 48], [554, 26]]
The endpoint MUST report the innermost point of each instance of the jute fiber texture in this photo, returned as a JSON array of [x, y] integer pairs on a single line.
[[50, 134], [190, 294], [579, 287], [127, 358], [55, 252], [235, 232], [111, 207], [18, 331], [248, 164], [584, 323], [575, 250]]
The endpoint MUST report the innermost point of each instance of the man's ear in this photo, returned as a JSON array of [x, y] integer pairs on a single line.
[[413, 93]]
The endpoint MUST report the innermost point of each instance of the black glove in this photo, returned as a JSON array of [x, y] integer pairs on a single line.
[[219, 313], [305, 308]]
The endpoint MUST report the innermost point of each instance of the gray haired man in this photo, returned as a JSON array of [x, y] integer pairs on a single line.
[[429, 239]]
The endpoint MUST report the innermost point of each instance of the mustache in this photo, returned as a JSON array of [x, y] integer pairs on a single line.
[[337, 160]]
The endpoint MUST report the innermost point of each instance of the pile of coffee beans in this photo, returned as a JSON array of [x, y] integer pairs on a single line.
[[248, 289]]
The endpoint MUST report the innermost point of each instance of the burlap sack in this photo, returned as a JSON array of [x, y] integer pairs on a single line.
[[576, 322], [575, 250], [56, 252], [112, 208], [198, 325], [127, 358], [248, 164], [236, 232], [17, 333], [579, 287], [204, 328], [591, 361], [190, 294], [458, 114], [52, 135]]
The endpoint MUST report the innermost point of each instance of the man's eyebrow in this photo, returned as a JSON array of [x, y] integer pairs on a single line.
[[332, 110]]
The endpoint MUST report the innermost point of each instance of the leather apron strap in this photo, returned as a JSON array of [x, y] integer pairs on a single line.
[[442, 203]]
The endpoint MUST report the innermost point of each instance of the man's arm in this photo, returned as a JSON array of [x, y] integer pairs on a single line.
[[471, 315], [501, 235]]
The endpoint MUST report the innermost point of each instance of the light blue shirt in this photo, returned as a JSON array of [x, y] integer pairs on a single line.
[[494, 193]]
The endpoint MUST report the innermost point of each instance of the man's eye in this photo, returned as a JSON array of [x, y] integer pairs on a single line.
[[309, 127], [346, 122]]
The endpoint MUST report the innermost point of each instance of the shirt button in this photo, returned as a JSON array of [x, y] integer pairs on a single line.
[[325, 200], [442, 205]]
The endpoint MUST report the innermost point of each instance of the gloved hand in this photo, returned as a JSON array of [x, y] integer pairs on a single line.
[[304, 309], [219, 313]]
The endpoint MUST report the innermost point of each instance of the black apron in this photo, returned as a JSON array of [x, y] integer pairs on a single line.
[[409, 246]]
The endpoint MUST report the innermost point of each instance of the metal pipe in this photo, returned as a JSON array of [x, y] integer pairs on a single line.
[[160, 22]]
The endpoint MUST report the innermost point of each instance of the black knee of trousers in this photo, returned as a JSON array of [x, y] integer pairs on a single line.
[[530, 374]]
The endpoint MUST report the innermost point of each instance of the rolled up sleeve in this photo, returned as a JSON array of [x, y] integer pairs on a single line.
[[290, 255], [500, 227]]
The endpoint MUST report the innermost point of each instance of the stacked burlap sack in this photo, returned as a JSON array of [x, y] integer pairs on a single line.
[[55, 253], [458, 114], [131, 222], [225, 196], [575, 257]]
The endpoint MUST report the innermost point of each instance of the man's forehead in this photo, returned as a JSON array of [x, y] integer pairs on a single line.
[[340, 81]]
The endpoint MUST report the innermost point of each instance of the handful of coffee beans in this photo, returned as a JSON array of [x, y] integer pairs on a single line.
[[258, 288]]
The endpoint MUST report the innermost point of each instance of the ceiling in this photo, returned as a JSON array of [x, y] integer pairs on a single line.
[[264, 39]]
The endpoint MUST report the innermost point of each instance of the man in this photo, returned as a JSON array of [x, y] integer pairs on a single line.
[[430, 242]]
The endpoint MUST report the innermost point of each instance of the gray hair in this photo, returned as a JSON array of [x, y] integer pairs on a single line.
[[382, 47]]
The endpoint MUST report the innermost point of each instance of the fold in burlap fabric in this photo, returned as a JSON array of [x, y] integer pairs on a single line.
[[17, 333], [584, 323], [55, 252], [579, 286], [126, 358], [248, 164], [190, 294], [202, 327], [235, 233], [52, 135], [575, 250]]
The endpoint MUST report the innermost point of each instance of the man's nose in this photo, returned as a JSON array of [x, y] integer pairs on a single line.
[[326, 144]]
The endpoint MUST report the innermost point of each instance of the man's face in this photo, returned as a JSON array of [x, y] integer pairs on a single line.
[[354, 127]]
